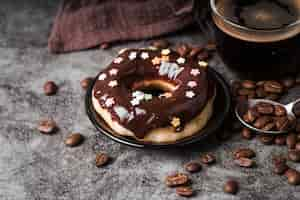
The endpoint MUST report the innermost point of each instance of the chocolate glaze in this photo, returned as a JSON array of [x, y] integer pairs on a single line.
[[158, 111]]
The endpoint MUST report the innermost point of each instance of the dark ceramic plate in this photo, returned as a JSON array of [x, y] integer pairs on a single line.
[[221, 110]]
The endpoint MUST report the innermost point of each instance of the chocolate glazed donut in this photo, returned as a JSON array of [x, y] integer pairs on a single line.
[[125, 90]]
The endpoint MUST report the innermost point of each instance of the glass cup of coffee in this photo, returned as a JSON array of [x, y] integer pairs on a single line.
[[259, 39]]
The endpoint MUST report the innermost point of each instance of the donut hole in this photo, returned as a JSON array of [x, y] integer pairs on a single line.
[[154, 87]]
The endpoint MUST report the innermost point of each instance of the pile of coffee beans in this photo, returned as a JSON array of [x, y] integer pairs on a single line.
[[267, 117]]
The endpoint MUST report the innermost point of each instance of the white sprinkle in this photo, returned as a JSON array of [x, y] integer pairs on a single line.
[[135, 102], [113, 83], [121, 112], [172, 70], [113, 71], [137, 93], [148, 97], [118, 60], [180, 60], [132, 55], [140, 111], [109, 102], [165, 52], [192, 84], [145, 55], [202, 64], [150, 118], [130, 117], [102, 77], [189, 94], [98, 92], [195, 72]]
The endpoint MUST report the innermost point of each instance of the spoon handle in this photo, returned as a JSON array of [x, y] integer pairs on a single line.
[[289, 107]]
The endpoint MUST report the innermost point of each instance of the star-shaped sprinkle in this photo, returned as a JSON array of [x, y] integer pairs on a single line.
[[118, 60], [145, 55], [132, 55], [195, 72], [175, 122], [180, 60], [165, 52], [202, 64], [102, 77], [165, 58], [189, 94], [109, 102], [156, 61], [113, 83], [135, 102], [192, 84], [113, 71]]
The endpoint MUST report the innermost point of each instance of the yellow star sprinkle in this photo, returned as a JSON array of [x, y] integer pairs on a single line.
[[175, 122], [156, 61]]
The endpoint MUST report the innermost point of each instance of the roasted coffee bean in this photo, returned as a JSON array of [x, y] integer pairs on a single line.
[[244, 162], [243, 153], [297, 146], [251, 115], [160, 44], [294, 155], [104, 45], [247, 134], [74, 139], [195, 51], [279, 111], [101, 159], [204, 56], [192, 167], [208, 158], [273, 87], [248, 84], [280, 168], [265, 108], [50, 88], [184, 191], [246, 92], [235, 86], [269, 126], [266, 139], [260, 83], [231, 187], [291, 140], [282, 123], [293, 176], [176, 179], [280, 139], [86, 82], [183, 49], [260, 122], [273, 97], [296, 109], [47, 126], [260, 92], [288, 82]]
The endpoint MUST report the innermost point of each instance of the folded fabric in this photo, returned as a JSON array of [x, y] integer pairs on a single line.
[[82, 24]]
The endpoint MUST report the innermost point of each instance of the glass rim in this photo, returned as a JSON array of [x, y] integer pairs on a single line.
[[232, 23]]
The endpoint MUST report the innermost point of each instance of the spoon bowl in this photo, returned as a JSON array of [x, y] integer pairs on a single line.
[[242, 107]]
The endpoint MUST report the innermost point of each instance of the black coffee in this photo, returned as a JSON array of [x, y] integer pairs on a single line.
[[266, 43]]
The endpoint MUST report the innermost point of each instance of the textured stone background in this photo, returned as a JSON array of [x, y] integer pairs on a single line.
[[35, 166]]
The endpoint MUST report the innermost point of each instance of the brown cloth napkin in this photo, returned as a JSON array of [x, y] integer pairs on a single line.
[[82, 24]]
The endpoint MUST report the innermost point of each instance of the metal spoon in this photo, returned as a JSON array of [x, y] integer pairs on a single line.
[[242, 108]]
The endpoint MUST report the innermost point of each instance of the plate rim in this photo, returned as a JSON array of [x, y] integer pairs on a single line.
[[188, 141]]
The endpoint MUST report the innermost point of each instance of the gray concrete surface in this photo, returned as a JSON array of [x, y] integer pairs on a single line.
[[36, 166]]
